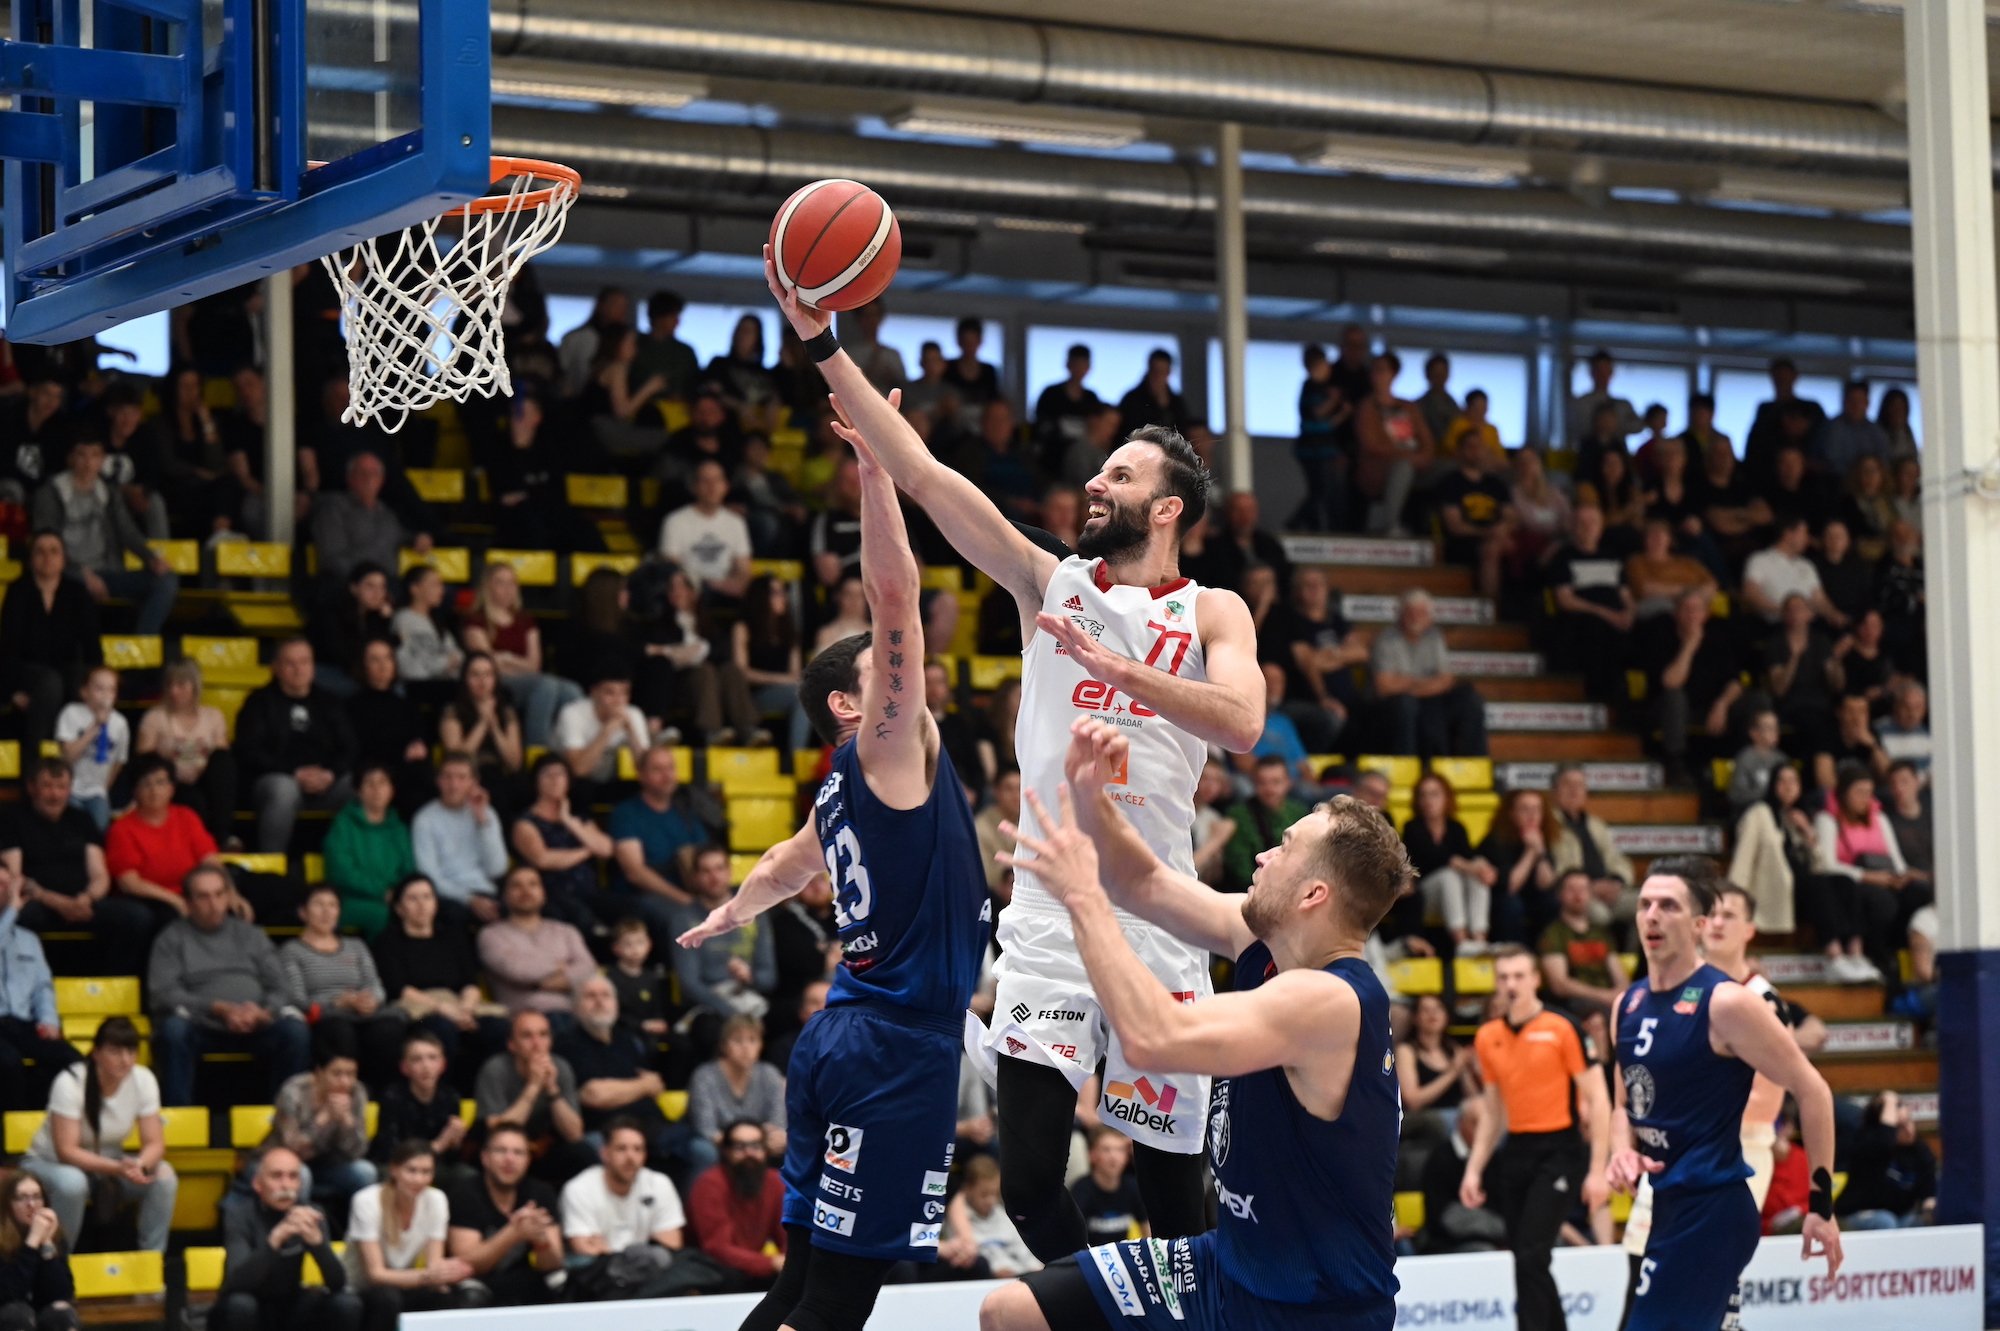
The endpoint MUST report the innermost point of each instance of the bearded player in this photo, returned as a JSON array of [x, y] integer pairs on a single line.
[[1304, 1130], [1691, 1042], [1112, 632]]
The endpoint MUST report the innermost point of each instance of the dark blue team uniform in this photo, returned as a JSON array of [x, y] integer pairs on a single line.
[[1305, 1236], [1686, 1106], [871, 1097]]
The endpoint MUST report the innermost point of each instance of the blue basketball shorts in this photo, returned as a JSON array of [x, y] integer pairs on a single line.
[[1702, 1239], [1178, 1285]]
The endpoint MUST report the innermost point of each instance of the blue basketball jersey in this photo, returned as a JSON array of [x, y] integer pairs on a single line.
[[1685, 1100], [909, 891], [1307, 1205]]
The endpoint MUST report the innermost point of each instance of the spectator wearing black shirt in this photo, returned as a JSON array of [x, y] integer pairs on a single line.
[[1908, 810], [1316, 648], [1323, 411], [1236, 540], [663, 355], [1449, 1225], [1847, 579], [424, 1107], [609, 1060], [1154, 400], [1472, 504], [529, 485], [1730, 509], [1899, 594], [1852, 740], [1794, 488], [644, 996], [1861, 664], [57, 853], [504, 1218], [1063, 411], [1891, 1173], [1761, 446], [1794, 660], [432, 974], [833, 544], [295, 746], [50, 625], [1604, 433], [971, 380], [37, 431], [1698, 676], [135, 458], [1108, 1195], [1521, 845], [956, 734], [999, 465], [1593, 623], [1454, 884], [265, 1241]]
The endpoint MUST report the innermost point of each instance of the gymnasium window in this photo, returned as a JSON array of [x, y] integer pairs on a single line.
[[1272, 375], [707, 328], [1738, 393], [1877, 387], [1504, 377], [1642, 385], [907, 333], [146, 337], [1117, 359]]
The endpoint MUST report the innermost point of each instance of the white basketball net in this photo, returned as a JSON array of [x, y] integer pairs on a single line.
[[424, 318]]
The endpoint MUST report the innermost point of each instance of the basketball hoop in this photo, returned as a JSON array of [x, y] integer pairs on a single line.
[[424, 319]]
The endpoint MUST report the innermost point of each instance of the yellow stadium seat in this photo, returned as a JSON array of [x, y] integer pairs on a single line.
[[309, 1273], [1321, 761], [1635, 685], [965, 638], [218, 394], [1417, 975], [673, 413], [597, 491], [990, 672], [469, 1110], [21, 1127], [674, 1104], [628, 763], [185, 1127], [51, 749], [1476, 825], [729, 766], [1401, 769], [131, 651], [198, 1209], [437, 485], [582, 566], [183, 557], [1724, 771], [249, 1125], [253, 559], [1630, 961], [315, 869], [10, 760], [227, 701], [1621, 1207], [785, 570], [97, 996], [1465, 774], [453, 563], [1409, 1211], [1480, 804], [534, 568], [946, 578], [1472, 975], [276, 865], [117, 1275], [772, 787], [758, 823], [805, 762], [267, 617], [81, 1032], [740, 867], [226, 661], [204, 1269]]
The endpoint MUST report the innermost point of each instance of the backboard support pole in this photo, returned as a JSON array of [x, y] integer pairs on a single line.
[[281, 449]]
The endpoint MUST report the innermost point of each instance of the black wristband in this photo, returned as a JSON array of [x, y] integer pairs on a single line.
[[1820, 1200], [821, 345]]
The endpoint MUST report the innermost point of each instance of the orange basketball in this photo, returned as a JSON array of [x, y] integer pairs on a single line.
[[837, 244]]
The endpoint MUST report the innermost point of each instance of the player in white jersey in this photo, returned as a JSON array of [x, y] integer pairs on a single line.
[[1725, 945], [1112, 632]]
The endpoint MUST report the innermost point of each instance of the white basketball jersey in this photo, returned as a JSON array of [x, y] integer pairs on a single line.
[[1155, 626]]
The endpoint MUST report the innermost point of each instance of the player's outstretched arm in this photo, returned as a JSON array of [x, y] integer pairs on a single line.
[[1748, 1029], [1132, 874], [974, 524], [780, 873], [1227, 708]]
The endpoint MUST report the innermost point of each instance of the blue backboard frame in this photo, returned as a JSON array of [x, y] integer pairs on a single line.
[[229, 196]]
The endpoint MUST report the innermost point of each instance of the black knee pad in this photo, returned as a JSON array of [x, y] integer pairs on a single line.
[[840, 1292]]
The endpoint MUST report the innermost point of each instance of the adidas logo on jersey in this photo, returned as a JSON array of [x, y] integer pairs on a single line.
[[1073, 603]]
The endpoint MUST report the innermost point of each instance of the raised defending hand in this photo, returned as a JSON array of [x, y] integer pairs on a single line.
[[1822, 1239], [719, 922], [1097, 756], [806, 321], [1062, 858]]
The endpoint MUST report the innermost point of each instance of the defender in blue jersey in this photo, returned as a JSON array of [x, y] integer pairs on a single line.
[[1303, 1128], [871, 1094], [1690, 1041]]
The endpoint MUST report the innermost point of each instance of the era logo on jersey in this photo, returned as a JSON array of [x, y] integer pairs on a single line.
[[843, 1147], [1142, 1103], [1092, 695]]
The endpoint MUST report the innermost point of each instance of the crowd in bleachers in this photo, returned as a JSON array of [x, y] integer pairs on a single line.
[[478, 806]]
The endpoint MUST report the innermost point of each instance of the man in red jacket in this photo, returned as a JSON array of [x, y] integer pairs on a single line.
[[737, 1208]]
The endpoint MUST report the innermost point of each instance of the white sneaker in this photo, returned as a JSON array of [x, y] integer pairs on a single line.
[[1474, 947], [1865, 971]]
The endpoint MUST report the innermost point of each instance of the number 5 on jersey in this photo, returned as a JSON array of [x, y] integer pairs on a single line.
[[852, 897]]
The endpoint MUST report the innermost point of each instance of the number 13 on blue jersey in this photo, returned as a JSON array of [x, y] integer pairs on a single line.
[[852, 897]]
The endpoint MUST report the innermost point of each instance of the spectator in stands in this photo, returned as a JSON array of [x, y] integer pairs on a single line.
[[567, 850], [975, 1213], [1756, 762], [321, 1117], [711, 434], [1108, 1194], [709, 541], [1624, 503], [1594, 616], [1395, 448], [533, 1089], [736, 1211], [78, 1153], [1851, 741], [37, 1291], [295, 746], [1781, 571], [1580, 961], [738, 1084], [534, 962], [1760, 447], [1909, 814], [1868, 506], [580, 345], [135, 458], [1430, 710], [335, 978], [1472, 505], [1891, 1172], [619, 1204], [1845, 575], [771, 504], [654, 835], [426, 653], [1867, 891], [1584, 408], [1899, 593], [1005, 807], [683, 677], [1776, 857], [96, 742], [1698, 675], [1472, 423], [482, 721], [30, 1028], [194, 737], [1437, 1074], [1280, 737], [215, 983], [1521, 845], [421, 1106], [847, 609], [503, 1219], [368, 852], [731, 973], [50, 625], [1237, 541], [1701, 437], [38, 432], [617, 397], [1588, 845], [742, 377], [357, 526], [347, 622], [766, 641], [1064, 410], [833, 543], [1795, 661], [1733, 513], [1154, 400], [98, 532], [432, 976], [1657, 578], [152, 849], [861, 333], [1270, 809], [50, 848], [1450, 1226], [590, 731], [395, 1245], [389, 729], [1084, 457], [641, 986], [529, 484], [957, 735], [1456, 886], [609, 1060], [1437, 404], [1851, 436], [1794, 488], [499, 625], [265, 1244], [457, 841], [1906, 732]]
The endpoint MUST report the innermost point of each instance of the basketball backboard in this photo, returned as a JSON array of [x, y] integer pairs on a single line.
[[162, 150]]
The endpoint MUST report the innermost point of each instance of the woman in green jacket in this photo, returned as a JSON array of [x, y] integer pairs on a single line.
[[368, 852]]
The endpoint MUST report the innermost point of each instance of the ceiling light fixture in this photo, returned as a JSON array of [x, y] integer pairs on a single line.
[[1047, 225], [560, 81], [1018, 124], [1409, 159]]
